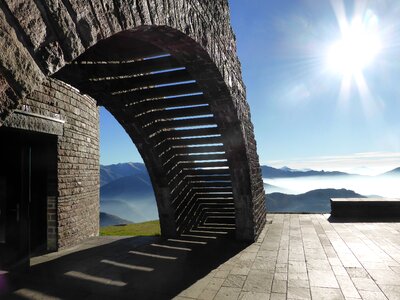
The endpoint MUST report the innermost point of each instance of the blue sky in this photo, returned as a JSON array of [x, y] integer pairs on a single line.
[[307, 113]]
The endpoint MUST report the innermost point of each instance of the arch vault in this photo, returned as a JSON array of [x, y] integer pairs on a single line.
[[169, 73]]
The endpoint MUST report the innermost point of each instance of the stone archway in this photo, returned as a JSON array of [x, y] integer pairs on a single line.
[[210, 119]]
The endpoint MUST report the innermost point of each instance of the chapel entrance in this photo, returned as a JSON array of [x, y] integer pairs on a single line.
[[28, 169]]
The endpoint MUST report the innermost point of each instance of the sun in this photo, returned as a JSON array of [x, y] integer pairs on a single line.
[[356, 49], [357, 52]]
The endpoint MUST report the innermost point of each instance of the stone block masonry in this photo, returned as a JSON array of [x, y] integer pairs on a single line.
[[73, 214]]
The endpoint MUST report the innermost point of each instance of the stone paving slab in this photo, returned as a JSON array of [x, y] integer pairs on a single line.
[[297, 256], [306, 257]]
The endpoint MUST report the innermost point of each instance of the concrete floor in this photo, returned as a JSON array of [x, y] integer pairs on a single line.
[[296, 257]]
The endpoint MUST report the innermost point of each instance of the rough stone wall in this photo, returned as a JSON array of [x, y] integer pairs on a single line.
[[76, 213], [39, 37]]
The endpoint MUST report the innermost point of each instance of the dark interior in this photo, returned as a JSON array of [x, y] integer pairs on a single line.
[[27, 172]]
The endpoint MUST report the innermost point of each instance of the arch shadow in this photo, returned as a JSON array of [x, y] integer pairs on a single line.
[[139, 267]]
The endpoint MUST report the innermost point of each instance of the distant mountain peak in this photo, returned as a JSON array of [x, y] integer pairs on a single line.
[[285, 168]]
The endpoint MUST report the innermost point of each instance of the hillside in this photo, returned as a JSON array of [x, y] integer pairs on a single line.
[[317, 201], [110, 220], [149, 228]]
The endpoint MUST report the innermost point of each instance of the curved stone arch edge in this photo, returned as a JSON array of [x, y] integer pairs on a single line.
[[225, 109]]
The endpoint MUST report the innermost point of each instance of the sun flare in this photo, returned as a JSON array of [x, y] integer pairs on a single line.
[[356, 50]]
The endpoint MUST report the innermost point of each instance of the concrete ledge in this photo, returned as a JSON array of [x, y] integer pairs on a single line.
[[365, 208], [35, 122]]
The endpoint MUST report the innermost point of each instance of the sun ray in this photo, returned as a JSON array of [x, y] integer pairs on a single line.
[[340, 12], [354, 52], [344, 93], [367, 100]]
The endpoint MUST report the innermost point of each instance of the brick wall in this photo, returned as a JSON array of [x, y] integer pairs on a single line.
[[73, 214]]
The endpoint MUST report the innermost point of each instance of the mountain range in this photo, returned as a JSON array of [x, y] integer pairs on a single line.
[[285, 172], [126, 192], [109, 173]]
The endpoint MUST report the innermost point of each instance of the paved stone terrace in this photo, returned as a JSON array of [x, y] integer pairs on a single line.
[[307, 257], [296, 257]]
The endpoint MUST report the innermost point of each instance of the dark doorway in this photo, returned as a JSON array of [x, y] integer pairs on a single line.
[[27, 178]]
